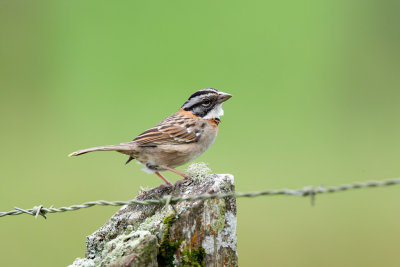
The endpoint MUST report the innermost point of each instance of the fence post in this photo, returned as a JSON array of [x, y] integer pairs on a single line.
[[188, 233]]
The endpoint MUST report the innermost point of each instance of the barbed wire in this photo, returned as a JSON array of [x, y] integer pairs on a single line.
[[169, 200]]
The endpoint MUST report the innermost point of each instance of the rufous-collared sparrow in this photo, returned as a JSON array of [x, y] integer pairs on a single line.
[[178, 139]]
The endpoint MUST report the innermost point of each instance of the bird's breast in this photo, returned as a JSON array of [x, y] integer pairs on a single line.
[[208, 133]]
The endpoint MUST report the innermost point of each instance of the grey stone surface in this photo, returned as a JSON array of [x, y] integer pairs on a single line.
[[134, 234]]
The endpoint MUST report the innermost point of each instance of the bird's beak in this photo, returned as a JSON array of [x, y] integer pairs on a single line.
[[222, 97]]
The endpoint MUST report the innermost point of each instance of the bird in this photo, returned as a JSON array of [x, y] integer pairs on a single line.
[[176, 140]]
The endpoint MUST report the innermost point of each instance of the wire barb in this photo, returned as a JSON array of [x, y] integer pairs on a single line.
[[170, 200]]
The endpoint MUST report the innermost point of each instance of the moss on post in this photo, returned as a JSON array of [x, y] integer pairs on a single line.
[[167, 248], [193, 257], [201, 233]]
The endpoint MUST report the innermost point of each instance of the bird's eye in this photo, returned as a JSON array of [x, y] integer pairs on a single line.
[[206, 103]]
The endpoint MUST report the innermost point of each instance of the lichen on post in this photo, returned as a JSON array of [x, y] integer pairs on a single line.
[[200, 233]]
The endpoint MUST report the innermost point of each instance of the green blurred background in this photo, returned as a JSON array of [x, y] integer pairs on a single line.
[[316, 102]]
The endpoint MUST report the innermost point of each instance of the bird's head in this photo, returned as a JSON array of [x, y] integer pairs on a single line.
[[206, 103]]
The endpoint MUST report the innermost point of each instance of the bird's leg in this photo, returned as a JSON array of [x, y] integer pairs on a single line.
[[163, 178], [177, 172]]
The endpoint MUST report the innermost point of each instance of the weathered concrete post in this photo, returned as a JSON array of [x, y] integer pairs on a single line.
[[203, 233]]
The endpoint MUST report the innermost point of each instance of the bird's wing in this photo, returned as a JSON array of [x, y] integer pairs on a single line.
[[174, 130]]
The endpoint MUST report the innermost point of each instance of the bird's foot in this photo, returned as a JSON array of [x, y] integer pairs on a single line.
[[179, 182], [163, 186]]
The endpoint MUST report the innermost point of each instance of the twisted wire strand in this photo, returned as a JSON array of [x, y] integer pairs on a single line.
[[169, 200]]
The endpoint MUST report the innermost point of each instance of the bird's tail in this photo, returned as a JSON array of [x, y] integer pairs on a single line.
[[123, 148]]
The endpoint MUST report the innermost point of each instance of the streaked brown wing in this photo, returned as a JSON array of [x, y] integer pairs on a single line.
[[172, 130]]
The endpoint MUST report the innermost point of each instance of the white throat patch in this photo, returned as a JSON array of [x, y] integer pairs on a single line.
[[215, 113]]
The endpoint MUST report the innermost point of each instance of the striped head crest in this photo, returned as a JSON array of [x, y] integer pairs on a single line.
[[206, 103]]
